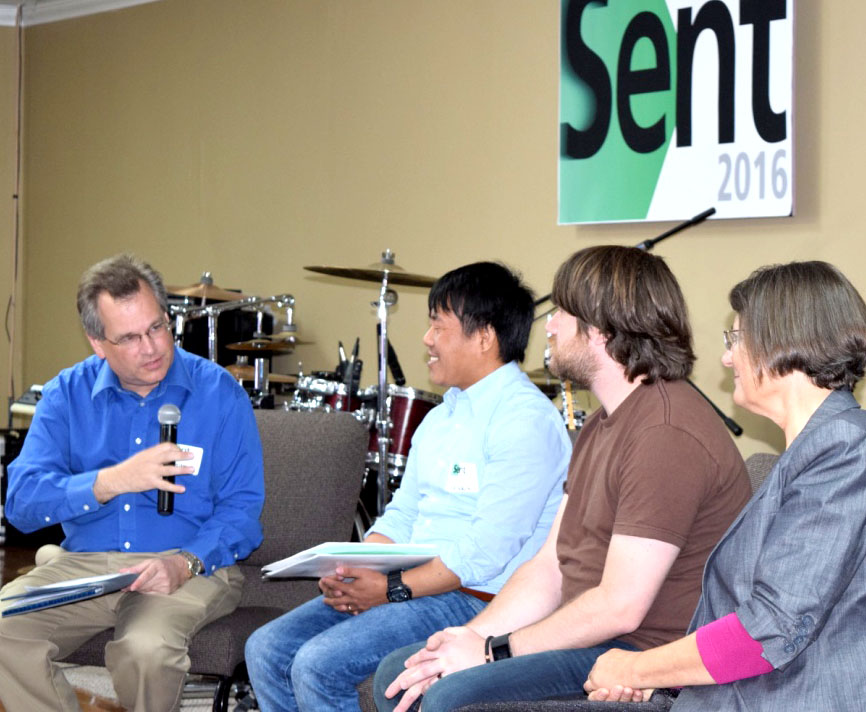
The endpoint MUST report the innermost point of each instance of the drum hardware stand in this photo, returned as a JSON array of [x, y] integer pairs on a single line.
[[387, 299], [287, 302], [183, 312], [260, 396], [242, 360], [260, 317], [385, 272], [206, 279]]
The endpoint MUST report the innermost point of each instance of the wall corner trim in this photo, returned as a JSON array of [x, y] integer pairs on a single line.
[[39, 12]]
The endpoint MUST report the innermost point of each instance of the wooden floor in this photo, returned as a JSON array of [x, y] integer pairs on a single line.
[[90, 703], [12, 560]]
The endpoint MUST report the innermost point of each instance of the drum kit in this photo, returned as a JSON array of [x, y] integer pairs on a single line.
[[231, 328], [391, 411], [203, 313]]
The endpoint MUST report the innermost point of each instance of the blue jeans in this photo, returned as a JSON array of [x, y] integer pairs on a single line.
[[313, 657], [554, 673]]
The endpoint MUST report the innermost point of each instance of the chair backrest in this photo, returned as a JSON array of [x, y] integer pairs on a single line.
[[759, 466], [314, 465]]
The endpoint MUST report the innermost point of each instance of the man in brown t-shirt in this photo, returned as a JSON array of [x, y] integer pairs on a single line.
[[654, 482]]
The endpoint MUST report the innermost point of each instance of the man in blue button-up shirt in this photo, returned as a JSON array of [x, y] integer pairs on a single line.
[[483, 482], [93, 462]]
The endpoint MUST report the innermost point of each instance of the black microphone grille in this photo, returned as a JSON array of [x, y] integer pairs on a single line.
[[169, 414]]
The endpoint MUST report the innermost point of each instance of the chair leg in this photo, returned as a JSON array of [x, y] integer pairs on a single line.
[[221, 694], [224, 689]]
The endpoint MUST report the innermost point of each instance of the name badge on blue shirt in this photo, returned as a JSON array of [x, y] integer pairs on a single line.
[[195, 461], [463, 477]]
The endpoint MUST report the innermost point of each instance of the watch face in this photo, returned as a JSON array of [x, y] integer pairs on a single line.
[[397, 590], [399, 594], [193, 563]]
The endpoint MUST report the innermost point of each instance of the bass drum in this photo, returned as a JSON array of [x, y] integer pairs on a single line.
[[407, 408]]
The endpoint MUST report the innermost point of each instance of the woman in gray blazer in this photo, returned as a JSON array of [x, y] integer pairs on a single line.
[[780, 623]]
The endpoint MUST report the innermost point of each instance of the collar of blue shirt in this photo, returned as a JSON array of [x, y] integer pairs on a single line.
[[177, 376]]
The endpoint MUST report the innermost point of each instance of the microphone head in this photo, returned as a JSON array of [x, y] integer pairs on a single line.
[[169, 414]]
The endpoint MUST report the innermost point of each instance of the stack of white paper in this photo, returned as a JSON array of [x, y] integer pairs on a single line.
[[322, 560]]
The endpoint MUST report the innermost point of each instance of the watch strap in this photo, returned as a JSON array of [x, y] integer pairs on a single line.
[[395, 579], [193, 563], [397, 590]]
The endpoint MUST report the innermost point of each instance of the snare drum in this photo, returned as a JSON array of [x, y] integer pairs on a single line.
[[316, 393], [407, 408]]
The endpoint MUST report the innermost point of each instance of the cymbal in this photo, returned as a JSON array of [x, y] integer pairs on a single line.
[[208, 291], [263, 345], [376, 273], [247, 373]]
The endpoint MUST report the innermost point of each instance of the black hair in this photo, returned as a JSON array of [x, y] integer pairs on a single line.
[[487, 294]]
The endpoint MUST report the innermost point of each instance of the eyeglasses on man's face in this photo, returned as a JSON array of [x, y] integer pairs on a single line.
[[131, 342], [731, 337]]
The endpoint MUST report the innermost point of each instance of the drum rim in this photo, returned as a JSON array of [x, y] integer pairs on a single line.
[[408, 391]]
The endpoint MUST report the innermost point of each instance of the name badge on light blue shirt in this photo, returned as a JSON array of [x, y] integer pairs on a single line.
[[463, 477]]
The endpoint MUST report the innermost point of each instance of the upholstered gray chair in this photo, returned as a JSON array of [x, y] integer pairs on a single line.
[[314, 464], [758, 466]]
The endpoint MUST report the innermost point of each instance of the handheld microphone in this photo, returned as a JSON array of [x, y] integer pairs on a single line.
[[168, 417]]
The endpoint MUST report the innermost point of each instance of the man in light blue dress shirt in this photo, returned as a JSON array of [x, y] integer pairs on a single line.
[[483, 483], [93, 462]]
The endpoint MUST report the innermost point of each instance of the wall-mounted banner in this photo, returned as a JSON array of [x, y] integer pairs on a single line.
[[670, 107]]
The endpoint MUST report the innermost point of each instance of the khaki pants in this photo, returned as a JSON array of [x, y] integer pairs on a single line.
[[148, 657]]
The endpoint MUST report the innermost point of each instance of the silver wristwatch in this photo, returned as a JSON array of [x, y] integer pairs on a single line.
[[193, 563]]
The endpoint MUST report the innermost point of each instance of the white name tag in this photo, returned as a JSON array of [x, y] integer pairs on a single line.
[[195, 462], [463, 477]]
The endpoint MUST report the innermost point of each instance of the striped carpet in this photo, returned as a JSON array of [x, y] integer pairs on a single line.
[[96, 694]]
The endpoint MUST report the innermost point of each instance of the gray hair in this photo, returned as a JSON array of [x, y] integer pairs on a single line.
[[120, 276], [803, 316]]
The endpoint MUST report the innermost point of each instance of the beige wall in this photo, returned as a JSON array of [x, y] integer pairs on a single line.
[[8, 314], [250, 139]]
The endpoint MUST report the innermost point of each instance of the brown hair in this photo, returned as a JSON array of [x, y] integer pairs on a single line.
[[803, 316], [633, 299], [121, 276]]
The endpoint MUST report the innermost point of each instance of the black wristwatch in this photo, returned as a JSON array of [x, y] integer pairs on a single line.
[[498, 647], [397, 590]]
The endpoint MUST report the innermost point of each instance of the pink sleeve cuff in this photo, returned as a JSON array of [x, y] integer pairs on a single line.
[[728, 651]]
